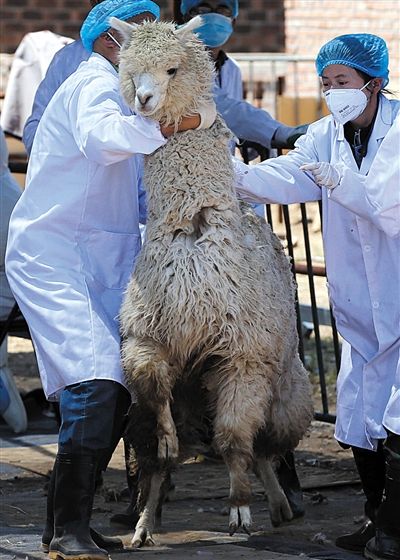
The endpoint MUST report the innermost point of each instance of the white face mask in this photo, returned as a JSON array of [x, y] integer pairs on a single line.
[[346, 104]]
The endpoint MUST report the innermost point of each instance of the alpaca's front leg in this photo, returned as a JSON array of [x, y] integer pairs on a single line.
[[152, 377], [145, 526]]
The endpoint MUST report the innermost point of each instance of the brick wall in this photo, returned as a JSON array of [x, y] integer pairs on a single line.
[[260, 26], [311, 23]]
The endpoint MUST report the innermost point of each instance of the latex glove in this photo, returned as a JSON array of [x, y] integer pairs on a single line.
[[208, 114], [285, 136], [324, 174]]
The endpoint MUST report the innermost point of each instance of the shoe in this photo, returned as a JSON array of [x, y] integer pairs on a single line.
[[382, 547], [12, 408], [109, 544], [74, 487], [125, 520], [355, 542]]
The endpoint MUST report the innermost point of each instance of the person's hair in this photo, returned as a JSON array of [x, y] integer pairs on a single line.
[[95, 2], [367, 78]]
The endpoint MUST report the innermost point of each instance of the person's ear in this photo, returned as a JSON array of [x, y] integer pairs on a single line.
[[376, 84]]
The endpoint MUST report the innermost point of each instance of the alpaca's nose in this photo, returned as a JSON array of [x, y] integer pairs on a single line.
[[144, 98]]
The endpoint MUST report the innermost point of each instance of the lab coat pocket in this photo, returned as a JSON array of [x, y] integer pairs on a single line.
[[109, 257]]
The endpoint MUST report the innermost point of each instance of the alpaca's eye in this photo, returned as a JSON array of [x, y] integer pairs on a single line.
[[171, 71]]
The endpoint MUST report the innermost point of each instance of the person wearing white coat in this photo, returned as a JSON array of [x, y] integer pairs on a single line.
[[73, 240], [246, 121], [361, 235]]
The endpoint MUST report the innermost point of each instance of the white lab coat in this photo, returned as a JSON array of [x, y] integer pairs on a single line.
[[361, 234], [9, 194], [74, 233], [28, 68], [230, 81]]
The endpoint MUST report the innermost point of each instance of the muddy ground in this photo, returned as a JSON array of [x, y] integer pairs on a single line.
[[195, 519]]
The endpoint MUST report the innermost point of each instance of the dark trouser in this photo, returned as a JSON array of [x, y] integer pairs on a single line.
[[93, 415], [388, 515], [371, 468]]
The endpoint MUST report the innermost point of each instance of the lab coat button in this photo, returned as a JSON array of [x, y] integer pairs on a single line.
[[367, 248], [375, 304]]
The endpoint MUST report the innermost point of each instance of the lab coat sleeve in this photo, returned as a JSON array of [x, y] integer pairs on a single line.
[[102, 132], [279, 180], [245, 120], [376, 196], [57, 72], [141, 194]]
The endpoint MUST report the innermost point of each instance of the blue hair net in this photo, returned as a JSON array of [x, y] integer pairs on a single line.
[[96, 21], [361, 51], [187, 5]]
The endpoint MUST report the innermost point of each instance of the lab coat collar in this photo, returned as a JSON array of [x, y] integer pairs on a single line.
[[102, 61]]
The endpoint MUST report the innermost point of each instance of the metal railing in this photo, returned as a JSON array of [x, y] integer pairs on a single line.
[[268, 76]]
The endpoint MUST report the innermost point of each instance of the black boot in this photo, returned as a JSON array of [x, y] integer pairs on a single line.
[[73, 501], [386, 544], [371, 469], [108, 543], [356, 541], [290, 484]]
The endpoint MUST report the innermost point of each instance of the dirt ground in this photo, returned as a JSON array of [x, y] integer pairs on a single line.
[[195, 519]]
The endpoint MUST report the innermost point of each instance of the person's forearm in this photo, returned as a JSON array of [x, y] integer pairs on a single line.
[[246, 121]]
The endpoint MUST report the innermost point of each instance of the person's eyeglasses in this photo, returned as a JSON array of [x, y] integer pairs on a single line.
[[207, 9]]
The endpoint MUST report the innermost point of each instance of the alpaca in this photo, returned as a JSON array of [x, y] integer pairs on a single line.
[[208, 319]]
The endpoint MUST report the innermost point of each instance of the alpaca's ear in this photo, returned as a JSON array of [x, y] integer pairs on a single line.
[[123, 27], [183, 30]]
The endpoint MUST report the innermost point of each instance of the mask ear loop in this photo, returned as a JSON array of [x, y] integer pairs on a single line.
[[115, 40]]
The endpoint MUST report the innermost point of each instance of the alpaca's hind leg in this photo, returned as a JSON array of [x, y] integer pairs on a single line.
[[239, 414], [152, 376], [145, 526], [279, 507]]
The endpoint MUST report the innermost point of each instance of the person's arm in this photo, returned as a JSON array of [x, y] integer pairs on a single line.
[[374, 197], [279, 180], [101, 131], [141, 193], [250, 123]]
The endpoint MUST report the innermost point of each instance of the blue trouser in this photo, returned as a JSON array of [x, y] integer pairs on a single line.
[[93, 416]]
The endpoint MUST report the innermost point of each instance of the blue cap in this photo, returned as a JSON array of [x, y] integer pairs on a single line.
[[96, 21], [187, 5], [361, 51]]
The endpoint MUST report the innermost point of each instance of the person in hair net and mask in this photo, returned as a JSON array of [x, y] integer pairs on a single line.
[[73, 239], [246, 121], [349, 161]]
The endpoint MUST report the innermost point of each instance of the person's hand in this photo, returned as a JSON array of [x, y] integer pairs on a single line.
[[324, 174], [187, 123], [285, 136], [208, 114]]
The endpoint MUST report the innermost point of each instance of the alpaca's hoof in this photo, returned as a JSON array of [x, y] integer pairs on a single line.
[[280, 511], [239, 517], [168, 447], [142, 537]]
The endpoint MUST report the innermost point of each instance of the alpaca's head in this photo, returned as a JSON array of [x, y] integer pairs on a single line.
[[165, 72]]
